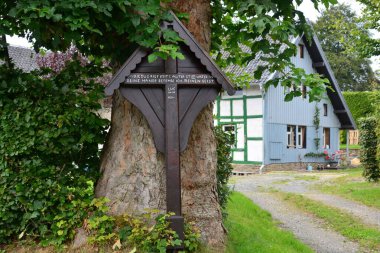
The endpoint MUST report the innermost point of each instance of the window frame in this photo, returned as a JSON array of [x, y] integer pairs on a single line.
[[325, 110], [291, 137], [301, 49], [325, 145], [301, 137]]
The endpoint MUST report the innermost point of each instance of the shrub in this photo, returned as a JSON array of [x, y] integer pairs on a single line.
[[49, 154], [148, 232], [224, 169], [369, 143], [361, 103]]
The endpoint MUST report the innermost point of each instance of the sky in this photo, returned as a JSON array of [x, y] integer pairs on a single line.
[[306, 7]]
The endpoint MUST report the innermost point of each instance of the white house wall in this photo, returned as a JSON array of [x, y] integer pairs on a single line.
[[278, 114], [244, 111]]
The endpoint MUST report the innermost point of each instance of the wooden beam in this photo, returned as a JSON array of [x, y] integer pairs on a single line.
[[340, 111], [318, 64]]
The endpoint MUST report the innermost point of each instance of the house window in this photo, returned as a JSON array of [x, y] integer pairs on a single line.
[[304, 91], [231, 129], [302, 51], [301, 137], [324, 109], [326, 138], [291, 133]]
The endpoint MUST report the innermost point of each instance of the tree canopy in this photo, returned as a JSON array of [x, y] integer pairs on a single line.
[[342, 35], [371, 16], [111, 29]]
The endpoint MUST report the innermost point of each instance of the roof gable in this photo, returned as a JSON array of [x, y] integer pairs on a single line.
[[140, 53], [322, 66]]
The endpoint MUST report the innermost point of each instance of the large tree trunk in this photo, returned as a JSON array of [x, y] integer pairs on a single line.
[[133, 173]]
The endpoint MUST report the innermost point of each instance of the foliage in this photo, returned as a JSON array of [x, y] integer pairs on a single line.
[[224, 141], [369, 143], [376, 98], [315, 155], [361, 104], [371, 18], [246, 29], [90, 25], [112, 29], [49, 153], [246, 221], [316, 123], [148, 232], [342, 35]]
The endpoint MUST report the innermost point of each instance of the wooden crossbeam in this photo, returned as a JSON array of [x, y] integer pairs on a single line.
[[318, 64]]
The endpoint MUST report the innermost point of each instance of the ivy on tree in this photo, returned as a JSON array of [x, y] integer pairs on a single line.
[[49, 156]]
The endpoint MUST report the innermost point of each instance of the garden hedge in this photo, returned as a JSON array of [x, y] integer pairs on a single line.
[[369, 142], [361, 104]]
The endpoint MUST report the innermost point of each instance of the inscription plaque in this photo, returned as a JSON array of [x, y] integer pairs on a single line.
[[154, 78]]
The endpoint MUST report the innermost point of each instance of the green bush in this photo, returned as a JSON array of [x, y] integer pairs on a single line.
[[376, 98], [361, 103], [224, 168], [49, 156], [369, 142]]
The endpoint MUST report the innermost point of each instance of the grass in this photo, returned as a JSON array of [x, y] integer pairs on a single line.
[[340, 221], [352, 146], [306, 177], [353, 186], [252, 229]]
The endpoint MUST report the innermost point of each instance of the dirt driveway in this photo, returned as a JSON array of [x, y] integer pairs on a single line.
[[307, 228]]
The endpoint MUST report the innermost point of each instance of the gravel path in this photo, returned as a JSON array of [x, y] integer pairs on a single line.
[[368, 215], [306, 228], [287, 182]]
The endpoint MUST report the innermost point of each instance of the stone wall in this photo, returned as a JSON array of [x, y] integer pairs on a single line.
[[289, 166]]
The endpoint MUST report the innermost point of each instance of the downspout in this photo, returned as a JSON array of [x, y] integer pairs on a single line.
[[263, 126]]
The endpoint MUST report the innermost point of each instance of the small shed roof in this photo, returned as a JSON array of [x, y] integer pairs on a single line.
[[190, 41], [23, 58]]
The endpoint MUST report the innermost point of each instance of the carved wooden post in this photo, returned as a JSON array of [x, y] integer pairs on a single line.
[[173, 174]]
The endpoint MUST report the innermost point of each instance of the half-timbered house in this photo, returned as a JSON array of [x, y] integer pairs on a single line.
[[270, 131]]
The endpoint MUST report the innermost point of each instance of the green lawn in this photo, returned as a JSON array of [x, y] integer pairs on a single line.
[[342, 222], [353, 186], [343, 146], [252, 229]]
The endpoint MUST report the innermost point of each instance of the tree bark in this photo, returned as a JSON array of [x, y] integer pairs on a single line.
[[133, 173]]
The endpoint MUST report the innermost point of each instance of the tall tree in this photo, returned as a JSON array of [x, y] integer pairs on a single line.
[[133, 171], [371, 16], [342, 36]]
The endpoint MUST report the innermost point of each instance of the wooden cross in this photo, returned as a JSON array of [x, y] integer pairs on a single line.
[[171, 94], [170, 81]]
